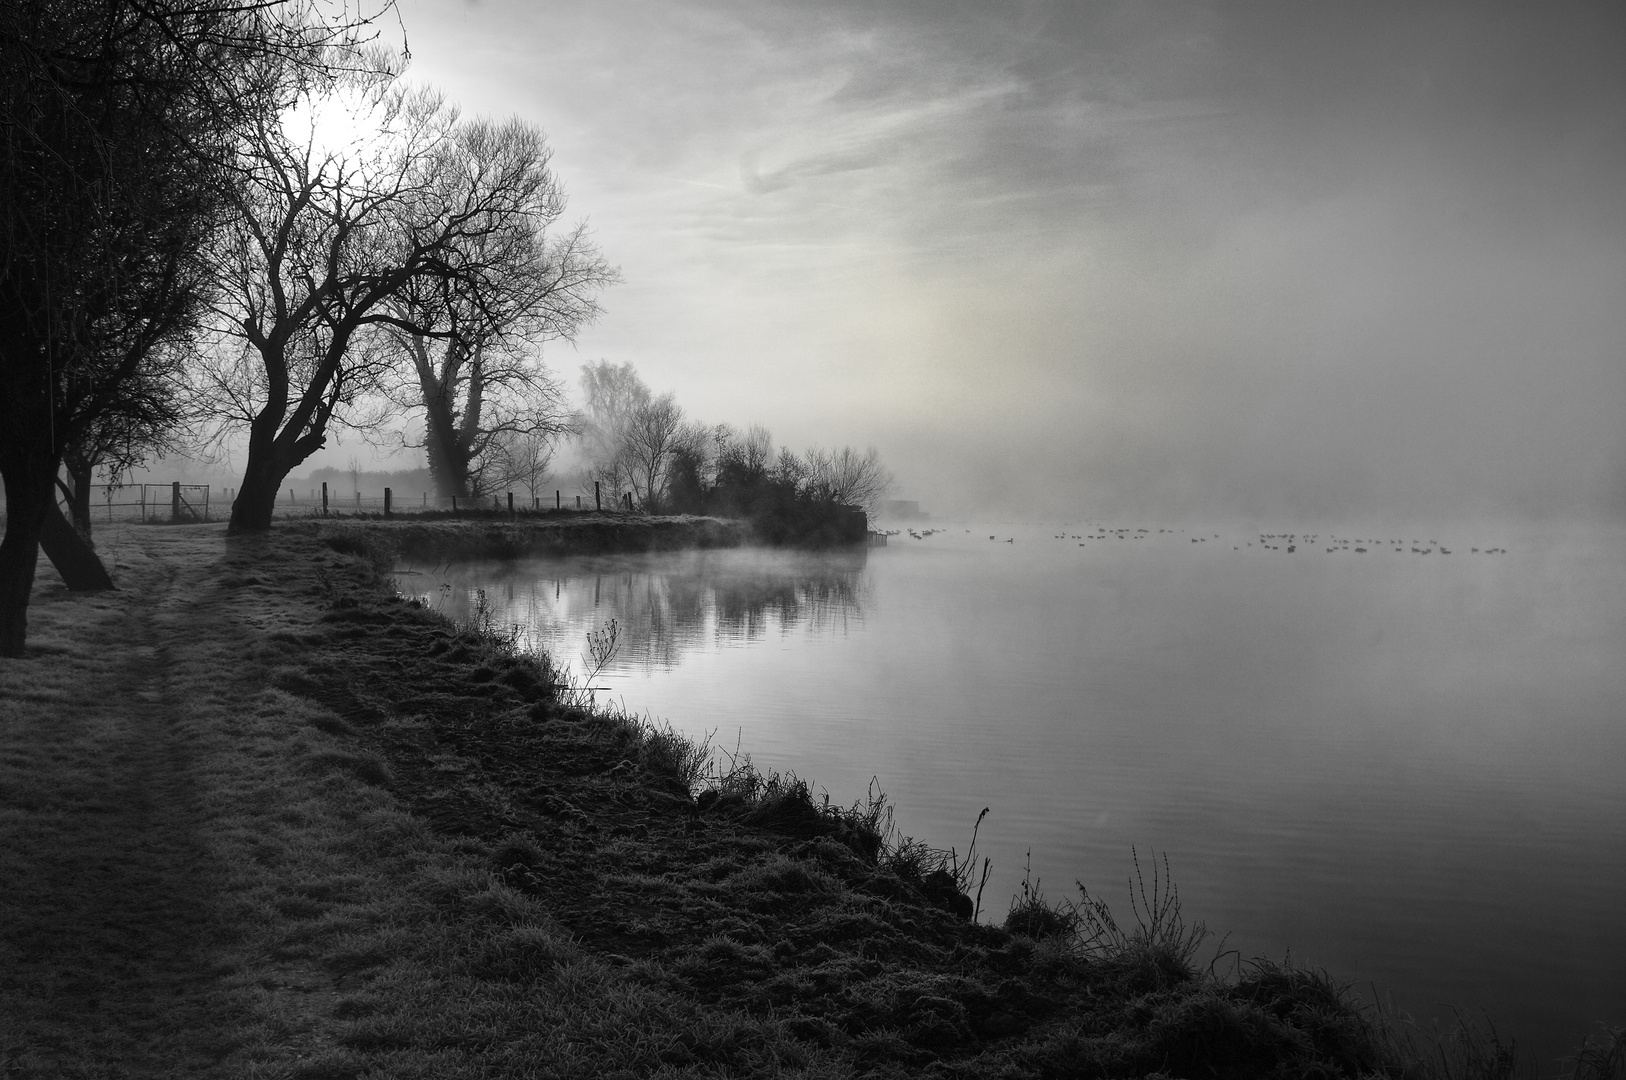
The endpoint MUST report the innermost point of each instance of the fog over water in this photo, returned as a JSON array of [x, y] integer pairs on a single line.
[[1404, 767], [1246, 268], [1297, 261]]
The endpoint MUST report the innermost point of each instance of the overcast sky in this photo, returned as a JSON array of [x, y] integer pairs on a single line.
[[1293, 260]]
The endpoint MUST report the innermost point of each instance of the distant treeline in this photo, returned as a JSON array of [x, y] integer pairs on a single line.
[[636, 443]]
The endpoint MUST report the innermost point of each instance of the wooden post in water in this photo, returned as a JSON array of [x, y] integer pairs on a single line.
[[387, 494], [324, 498]]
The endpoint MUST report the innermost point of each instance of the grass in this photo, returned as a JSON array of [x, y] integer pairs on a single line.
[[265, 819]]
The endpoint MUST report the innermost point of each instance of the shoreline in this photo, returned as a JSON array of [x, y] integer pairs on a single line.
[[500, 536], [413, 852]]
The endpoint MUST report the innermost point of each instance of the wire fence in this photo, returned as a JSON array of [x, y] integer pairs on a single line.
[[182, 503], [152, 502]]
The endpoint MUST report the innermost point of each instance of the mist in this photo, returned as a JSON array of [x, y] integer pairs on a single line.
[[1264, 260]]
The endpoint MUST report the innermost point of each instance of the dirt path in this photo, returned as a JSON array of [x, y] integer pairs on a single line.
[[111, 919]]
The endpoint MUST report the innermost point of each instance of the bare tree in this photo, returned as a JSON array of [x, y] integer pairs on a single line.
[[649, 437], [614, 392], [476, 365], [327, 244], [120, 122], [845, 476], [522, 459]]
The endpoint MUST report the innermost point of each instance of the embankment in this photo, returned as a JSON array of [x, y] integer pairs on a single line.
[[264, 817], [527, 536]]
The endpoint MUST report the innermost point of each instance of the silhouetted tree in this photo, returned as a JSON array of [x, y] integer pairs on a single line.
[[845, 476], [476, 368], [120, 121], [649, 437], [328, 243]]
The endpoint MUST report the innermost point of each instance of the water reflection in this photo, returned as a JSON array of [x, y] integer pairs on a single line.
[[667, 605], [1404, 768]]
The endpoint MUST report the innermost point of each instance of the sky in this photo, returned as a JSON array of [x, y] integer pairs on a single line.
[[1285, 261]]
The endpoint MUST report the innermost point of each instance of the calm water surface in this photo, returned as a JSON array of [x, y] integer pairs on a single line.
[[1409, 769]]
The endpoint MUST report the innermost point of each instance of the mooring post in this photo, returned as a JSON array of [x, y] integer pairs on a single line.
[[324, 498], [387, 494]]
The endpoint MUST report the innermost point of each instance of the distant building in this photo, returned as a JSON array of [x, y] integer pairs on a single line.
[[900, 510]]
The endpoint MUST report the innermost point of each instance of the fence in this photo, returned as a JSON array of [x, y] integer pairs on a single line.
[[149, 502], [329, 502], [176, 502]]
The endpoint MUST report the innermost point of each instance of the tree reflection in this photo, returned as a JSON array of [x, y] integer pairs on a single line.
[[667, 604]]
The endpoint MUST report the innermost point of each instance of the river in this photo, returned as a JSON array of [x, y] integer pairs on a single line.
[[1405, 764]]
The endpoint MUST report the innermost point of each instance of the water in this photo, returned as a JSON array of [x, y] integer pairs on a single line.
[[1404, 768]]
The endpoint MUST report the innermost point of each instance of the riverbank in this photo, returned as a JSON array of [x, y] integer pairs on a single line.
[[265, 818], [493, 535]]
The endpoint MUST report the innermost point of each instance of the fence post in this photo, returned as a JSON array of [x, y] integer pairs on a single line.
[[578, 502], [454, 504], [557, 499], [597, 503], [510, 504], [324, 498], [174, 502], [291, 500], [207, 488], [386, 502]]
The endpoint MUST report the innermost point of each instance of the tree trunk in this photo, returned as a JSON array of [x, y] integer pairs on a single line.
[[71, 554], [81, 472], [256, 501], [29, 490]]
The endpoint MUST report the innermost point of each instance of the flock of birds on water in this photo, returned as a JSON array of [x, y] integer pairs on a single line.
[[1267, 541]]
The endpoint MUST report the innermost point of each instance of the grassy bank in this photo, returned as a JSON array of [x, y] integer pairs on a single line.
[[262, 818], [495, 535]]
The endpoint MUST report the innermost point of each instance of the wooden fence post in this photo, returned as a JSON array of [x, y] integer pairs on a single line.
[[597, 503], [386, 502], [324, 498], [556, 500], [510, 504], [174, 502]]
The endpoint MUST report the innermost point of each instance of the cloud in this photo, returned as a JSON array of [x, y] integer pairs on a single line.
[[1192, 256]]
